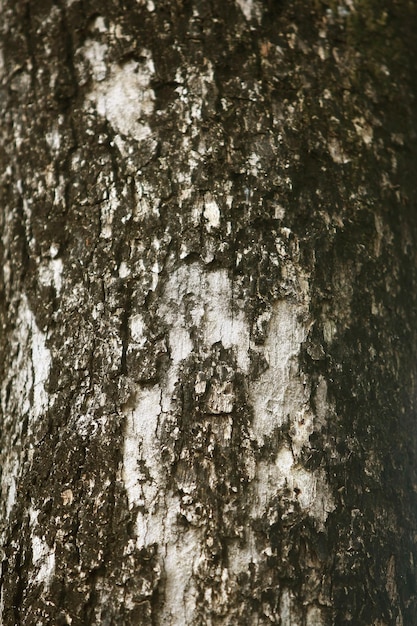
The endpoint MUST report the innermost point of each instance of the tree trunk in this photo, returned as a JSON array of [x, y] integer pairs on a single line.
[[208, 309]]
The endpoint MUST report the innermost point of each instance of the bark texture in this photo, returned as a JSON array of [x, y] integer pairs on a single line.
[[209, 315]]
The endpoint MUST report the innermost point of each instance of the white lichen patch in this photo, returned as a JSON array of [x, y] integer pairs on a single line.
[[254, 164], [147, 200], [149, 4], [43, 560], [242, 555], [99, 24], [121, 93]]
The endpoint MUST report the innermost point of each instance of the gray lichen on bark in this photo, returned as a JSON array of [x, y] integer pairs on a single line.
[[208, 312]]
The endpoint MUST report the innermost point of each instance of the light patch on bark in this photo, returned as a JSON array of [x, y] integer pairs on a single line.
[[250, 9], [100, 24], [41, 364], [158, 510], [329, 331], [53, 139], [2, 68], [43, 557], [320, 401], [137, 329], [107, 209], [211, 212], [33, 363], [182, 556], [95, 53], [121, 93], [192, 91], [148, 3], [254, 163], [147, 201], [281, 396], [241, 556], [289, 613], [191, 297], [307, 489], [50, 274], [391, 587], [364, 130], [194, 297], [67, 497], [336, 151], [280, 393], [180, 344], [199, 310], [10, 471], [140, 448], [314, 616], [28, 397], [124, 270]]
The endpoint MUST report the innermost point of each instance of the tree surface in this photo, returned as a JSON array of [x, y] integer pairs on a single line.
[[209, 312]]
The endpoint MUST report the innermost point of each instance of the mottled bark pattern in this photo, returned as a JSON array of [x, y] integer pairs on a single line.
[[209, 312]]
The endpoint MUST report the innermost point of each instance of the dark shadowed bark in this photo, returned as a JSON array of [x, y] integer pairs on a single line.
[[209, 312]]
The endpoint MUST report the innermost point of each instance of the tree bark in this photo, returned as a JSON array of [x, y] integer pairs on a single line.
[[208, 309]]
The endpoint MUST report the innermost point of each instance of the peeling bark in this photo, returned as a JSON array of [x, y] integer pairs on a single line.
[[208, 309]]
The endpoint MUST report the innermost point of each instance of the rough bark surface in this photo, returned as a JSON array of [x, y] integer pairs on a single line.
[[208, 309]]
